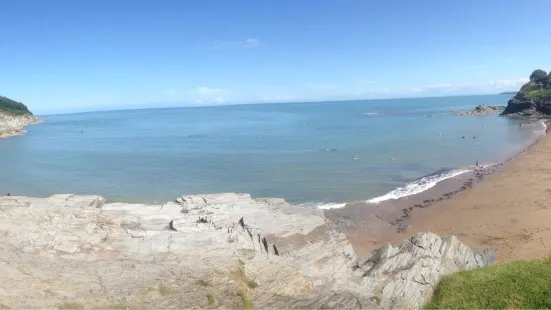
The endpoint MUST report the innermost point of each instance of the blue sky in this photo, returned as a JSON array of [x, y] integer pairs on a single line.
[[64, 56]]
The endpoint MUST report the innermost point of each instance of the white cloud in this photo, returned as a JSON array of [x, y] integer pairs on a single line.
[[199, 101], [278, 98], [204, 90], [508, 83], [369, 82], [219, 100], [252, 42]]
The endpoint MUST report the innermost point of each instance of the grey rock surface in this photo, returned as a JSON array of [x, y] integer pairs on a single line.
[[405, 276], [11, 125], [208, 251]]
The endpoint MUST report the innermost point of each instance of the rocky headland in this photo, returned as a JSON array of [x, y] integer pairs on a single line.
[[14, 125], [533, 100], [209, 251], [14, 117]]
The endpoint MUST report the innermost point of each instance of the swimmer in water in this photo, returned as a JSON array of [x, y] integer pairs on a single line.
[[463, 137], [474, 137]]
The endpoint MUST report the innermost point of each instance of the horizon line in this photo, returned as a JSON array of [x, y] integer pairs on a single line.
[[214, 105]]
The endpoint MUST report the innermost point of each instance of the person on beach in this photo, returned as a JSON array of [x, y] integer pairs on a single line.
[[519, 125]]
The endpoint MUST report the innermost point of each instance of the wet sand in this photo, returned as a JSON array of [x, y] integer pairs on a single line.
[[509, 212]]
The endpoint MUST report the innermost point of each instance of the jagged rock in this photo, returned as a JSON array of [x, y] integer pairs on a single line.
[[481, 110], [405, 276], [80, 249]]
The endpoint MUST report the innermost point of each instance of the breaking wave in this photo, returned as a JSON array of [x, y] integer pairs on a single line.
[[419, 185]]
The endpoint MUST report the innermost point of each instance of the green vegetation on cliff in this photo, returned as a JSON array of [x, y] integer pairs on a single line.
[[533, 98], [516, 285], [539, 87], [12, 107]]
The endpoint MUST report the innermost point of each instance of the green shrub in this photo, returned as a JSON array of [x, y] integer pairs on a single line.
[[540, 94], [528, 87]]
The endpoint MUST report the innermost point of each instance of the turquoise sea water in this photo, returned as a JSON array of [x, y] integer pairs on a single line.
[[275, 150]]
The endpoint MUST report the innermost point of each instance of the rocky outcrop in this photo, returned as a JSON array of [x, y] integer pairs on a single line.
[[533, 100], [224, 250], [521, 105], [14, 125], [405, 276], [481, 110]]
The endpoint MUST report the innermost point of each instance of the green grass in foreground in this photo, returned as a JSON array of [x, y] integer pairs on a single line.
[[511, 285]]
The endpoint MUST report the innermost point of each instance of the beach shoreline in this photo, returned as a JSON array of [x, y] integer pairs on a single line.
[[447, 207]]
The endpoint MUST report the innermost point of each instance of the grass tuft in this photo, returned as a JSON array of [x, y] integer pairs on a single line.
[[70, 305], [210, 299], [252, 284], [202, 282], [165, 290], [247, 302]]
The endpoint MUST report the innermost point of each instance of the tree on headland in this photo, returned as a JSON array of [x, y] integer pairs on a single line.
[[12, 107], [538, 76]]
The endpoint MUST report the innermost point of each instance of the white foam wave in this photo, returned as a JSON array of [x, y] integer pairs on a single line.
[[370, 113], [328, 206], [418, 186], [542, 130], [323, 206]]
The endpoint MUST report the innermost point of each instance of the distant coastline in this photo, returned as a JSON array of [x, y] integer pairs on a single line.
[[508, 93], [14, 117]]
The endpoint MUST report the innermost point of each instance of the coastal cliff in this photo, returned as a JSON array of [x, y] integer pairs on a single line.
[[533, 99], [209, 251], [14, 117]]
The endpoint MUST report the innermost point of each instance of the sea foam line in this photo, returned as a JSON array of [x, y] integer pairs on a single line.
[[418, 186]]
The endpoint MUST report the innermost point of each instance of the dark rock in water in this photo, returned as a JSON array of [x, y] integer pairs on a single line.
[[481, 110]]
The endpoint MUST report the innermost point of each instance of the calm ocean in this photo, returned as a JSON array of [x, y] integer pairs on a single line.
[[326, 152]]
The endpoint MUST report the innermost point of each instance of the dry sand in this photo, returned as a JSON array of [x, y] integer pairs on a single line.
[[509, 212]]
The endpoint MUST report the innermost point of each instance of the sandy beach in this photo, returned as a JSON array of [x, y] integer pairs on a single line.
[[509, 212]]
